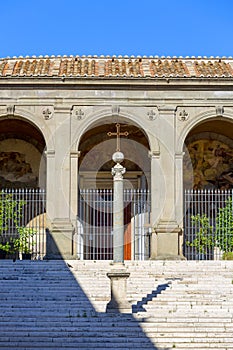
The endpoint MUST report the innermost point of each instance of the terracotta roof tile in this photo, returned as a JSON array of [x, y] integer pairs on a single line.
[[3, 66], [78, 67], [167, 67], [123, 67], [32, 67], [119, 67], [212, 69]]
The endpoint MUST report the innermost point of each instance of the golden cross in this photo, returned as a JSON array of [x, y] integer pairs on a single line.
[[118, 134]]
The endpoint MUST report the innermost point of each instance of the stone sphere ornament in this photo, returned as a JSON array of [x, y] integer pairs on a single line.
[[118, 157]]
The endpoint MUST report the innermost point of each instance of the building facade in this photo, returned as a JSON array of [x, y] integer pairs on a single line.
[[58, 118]]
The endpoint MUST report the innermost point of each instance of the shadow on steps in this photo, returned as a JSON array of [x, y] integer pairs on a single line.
[[139, 306], [44, 307]]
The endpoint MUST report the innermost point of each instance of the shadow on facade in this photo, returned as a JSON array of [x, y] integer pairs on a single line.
[[55, 304]]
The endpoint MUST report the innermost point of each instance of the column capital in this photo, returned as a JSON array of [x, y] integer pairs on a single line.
[[50, 153], [154, 154], [75, 154], [62, 109], [167, 109], [118, 171], [179, 155]]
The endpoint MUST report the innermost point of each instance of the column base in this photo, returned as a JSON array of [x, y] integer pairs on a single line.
[[167, 242], [60, 242], [118, 302]]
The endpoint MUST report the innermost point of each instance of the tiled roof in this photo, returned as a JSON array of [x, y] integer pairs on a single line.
[[117, 67]]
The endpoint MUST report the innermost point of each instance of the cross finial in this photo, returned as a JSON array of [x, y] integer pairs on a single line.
[[118, 134]]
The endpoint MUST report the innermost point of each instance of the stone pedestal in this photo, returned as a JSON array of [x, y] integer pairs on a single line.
[[118, 302], [60, 242], [168, 242]]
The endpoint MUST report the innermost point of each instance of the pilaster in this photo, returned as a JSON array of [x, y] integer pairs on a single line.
[[61, 236], [166, 234]]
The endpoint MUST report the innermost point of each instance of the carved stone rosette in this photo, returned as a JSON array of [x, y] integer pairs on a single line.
[[48, 112]]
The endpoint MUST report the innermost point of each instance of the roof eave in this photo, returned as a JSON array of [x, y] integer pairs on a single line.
[[116, 82]]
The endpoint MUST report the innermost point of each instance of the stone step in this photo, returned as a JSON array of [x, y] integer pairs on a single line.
[[50, 306]]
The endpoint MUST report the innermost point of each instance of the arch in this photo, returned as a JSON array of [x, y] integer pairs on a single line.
[[208, 160], [103, 116], [39, 123], [95, 163], [199, 119], [22, 145], [97, 147]]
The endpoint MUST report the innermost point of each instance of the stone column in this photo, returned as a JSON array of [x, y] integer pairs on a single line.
[[118, 208], [118, 275]]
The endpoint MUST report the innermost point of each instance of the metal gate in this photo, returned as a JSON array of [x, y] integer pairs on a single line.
[[208, 224], [95, 224], [23, 209]]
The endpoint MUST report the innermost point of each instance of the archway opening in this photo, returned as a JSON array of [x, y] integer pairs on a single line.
[[97, 148], [208, 159], [95, 215], [22, 163], [208, 185], [22, 182]]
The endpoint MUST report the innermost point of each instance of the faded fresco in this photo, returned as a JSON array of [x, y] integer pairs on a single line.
[[208, 164], [15, 171]]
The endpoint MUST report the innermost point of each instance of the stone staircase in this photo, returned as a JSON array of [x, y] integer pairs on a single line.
[[61, 305]]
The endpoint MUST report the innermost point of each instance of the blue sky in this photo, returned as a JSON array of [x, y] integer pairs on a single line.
[[116, 27]]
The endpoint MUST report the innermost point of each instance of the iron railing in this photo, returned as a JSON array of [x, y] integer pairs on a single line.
[[208, 224], [95, 224], [27, 211]]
